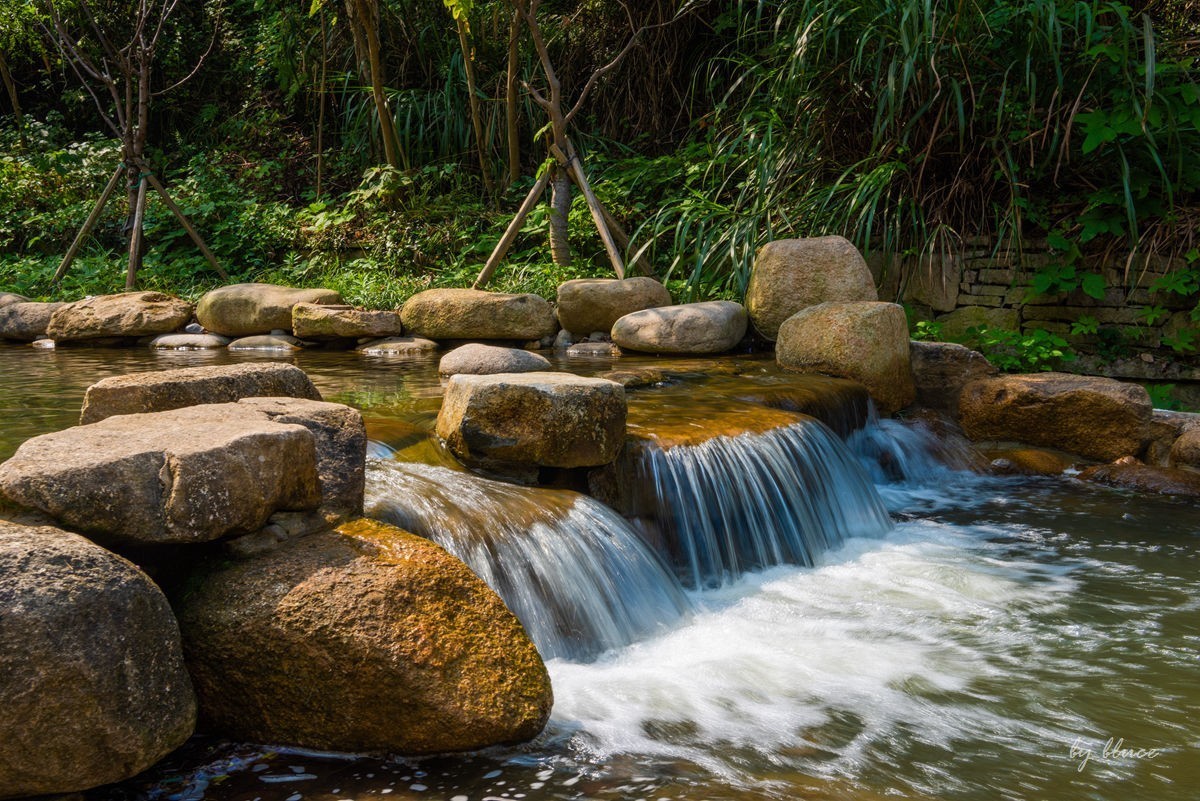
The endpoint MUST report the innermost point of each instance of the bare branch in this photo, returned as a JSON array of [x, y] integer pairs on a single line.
[[211, 43], [537, 96]]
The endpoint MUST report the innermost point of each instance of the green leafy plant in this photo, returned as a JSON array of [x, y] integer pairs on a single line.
[[1013, 351]]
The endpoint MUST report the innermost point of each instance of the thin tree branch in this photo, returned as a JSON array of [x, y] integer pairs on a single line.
[[211, 43]]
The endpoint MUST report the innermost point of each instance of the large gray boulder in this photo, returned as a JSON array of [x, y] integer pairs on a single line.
[[316, 321], [93, 688], [181, 476], [793, 274], [587, 305], [365, 639], [129, 314], [863, 341], [240, 310], [532, 420], [716, 326], [479, 359], [475, 314], [162, 390], [1094, 417], [26, 321], [941, 370]]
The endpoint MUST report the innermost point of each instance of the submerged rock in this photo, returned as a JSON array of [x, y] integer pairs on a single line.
[[792, 274], [532, 419], [243, 309], [478, 359], [317, 321], [129, 314], [475, 314], [365, 639], [595, 304], [269, 342], [26, 321], [1094, 417], [941, 370], [174, 389], [93, 688], [400, 346], [189, 342], [1029, 461], [716, 326], [1144, 478], [866, 342]]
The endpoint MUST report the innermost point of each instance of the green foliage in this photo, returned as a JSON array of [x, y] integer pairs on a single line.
[[927, 331], [1016, 352]]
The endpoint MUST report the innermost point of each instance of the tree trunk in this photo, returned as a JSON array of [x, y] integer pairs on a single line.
[[363, 14], [510, 99], [473, 98], [11, 86], [560, 208]]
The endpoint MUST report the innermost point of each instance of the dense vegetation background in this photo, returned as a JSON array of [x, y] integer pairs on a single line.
[[910, 126]]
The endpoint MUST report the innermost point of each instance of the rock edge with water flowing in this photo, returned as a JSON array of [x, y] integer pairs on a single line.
[[364, 639], [93, 688]]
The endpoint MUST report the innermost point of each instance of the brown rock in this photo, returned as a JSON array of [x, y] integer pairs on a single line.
[[1030, 461], [7, 298], [940, 371], [1094, 417], [1185, 450], [162, 390], [862, 341], [368, 639], [586, 305], [181, 476], [315, 321], [474, 314], [478, 359], [532, 419], [93, 688], [793, 274], [713, 327], [239, 310], [26, 321], [130, 314], [1143, 478]]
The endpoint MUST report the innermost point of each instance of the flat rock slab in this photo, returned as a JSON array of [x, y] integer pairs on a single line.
[[792, 274], [163, 390], [129, 314], [26, 321], [189, 342], [864, 341], [407, 347], [1099, 418], [240, 310], [587, 305], [365, 639], [315, 321], [182, 476], [478, 359], [533, 420], [716, 326], [93, 688], [475, 314]]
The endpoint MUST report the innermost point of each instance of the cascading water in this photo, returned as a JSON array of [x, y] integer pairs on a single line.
[[572, 570], [736, 504]]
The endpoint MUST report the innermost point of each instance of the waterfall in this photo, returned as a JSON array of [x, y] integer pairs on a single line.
[[574, 573], [736, 504], [892, 451]]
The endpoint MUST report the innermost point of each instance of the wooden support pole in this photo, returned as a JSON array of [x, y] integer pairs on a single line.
[[510, 233], [92, 219], [576, 171], [135, 237], [185, 222]]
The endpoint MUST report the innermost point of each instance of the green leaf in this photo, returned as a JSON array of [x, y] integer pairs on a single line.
[[1093, 285]]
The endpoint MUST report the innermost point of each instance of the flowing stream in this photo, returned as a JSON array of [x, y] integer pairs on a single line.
[[877, 625]]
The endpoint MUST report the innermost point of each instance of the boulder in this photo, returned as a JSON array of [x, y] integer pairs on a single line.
[[532, 419], [408, 347], [793, 274], [475, 314], [1145, 479], [477, 359], [1094, 417], [93, 688], [1185, 451], [940, 371], [162, 390], [275, 342], [713, 327], [315, 321], [1026, 461], [189, 342], [26, 321], [863, 341], [242, 309], [130, 314], [365, 639], [594, 304], [181, 476], [7, 298]]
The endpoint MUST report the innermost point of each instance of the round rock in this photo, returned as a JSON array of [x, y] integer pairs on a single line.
[[130, 314], [408, 347], [595, 304], [716, 326], [477, 359], [189, 342], [26, 321], [277, 342]]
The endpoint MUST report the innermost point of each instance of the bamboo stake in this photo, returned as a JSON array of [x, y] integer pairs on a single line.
[[576, 172], [510, 233], [89, 224], [135, 237], [186, 223]]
